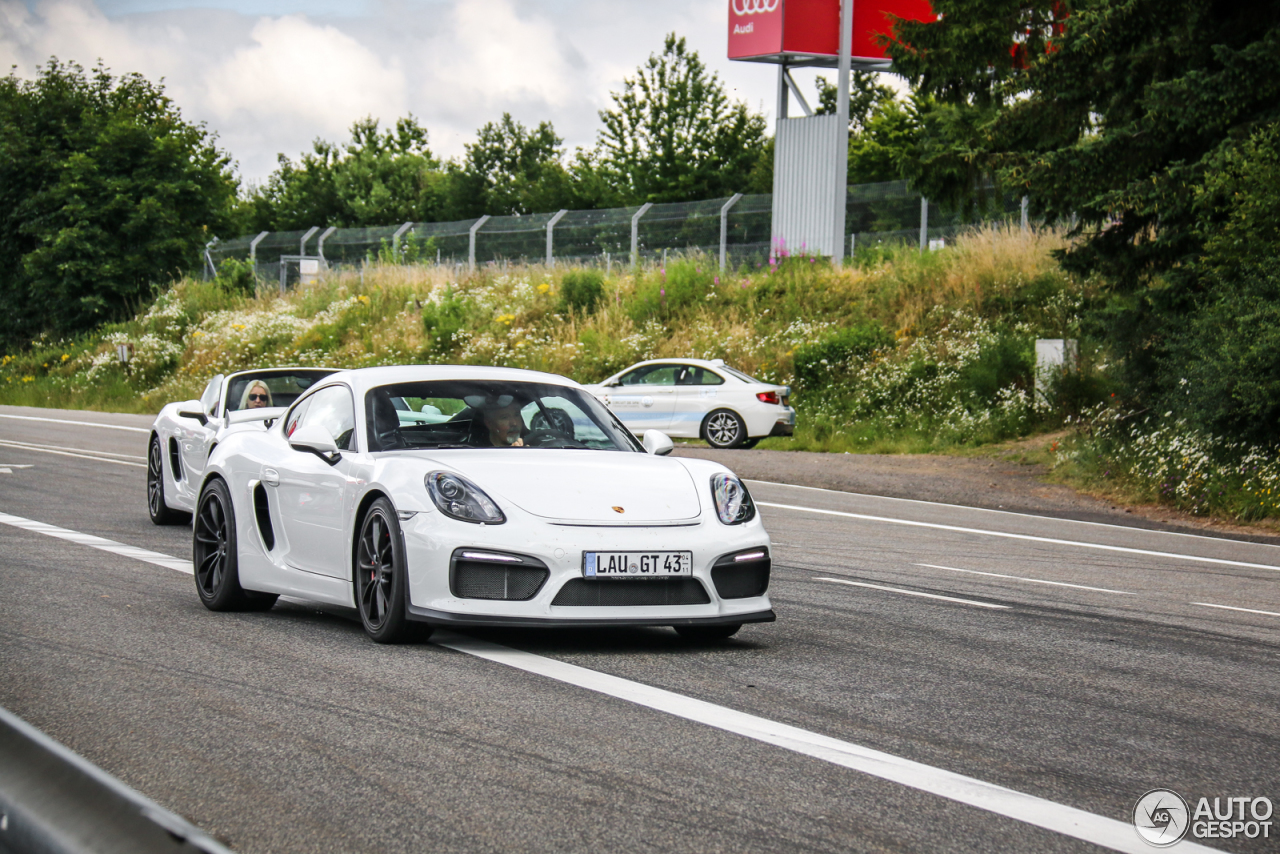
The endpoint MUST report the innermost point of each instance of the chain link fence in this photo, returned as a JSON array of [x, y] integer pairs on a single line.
[[735, 230]]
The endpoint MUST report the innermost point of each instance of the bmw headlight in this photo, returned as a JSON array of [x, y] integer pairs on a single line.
[[463, 500], [733, 502]]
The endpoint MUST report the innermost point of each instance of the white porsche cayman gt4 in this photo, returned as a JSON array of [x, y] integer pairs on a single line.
[[440, 495]]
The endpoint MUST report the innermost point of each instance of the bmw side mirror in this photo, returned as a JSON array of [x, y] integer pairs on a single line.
[[657, 443], [314, 439]]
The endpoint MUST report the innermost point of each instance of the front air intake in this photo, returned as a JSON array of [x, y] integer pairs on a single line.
[[484, 574], [742, 575], [614, 592]]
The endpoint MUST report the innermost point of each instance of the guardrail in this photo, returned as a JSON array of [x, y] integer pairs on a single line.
[[53, 801]]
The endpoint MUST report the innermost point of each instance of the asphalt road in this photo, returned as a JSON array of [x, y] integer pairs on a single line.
[[1077, 663]]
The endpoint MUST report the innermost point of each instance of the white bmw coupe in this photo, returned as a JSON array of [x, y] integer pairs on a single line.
[[473, 496]]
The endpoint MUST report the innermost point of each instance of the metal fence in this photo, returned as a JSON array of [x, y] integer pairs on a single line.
[[734, 230]]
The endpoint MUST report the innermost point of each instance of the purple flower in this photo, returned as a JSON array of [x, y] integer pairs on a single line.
[[662, 291]]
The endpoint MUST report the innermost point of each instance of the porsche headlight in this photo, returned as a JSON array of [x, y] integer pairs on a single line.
[[733, 502], [460, 498]]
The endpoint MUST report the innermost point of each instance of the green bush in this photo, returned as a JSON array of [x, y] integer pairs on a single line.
[[672, 289], [443, 320], [1003, 362], [581, 290], [818, 364], [237, 276]]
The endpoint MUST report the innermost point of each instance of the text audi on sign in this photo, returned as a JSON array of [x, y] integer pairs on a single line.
[[798, 30]]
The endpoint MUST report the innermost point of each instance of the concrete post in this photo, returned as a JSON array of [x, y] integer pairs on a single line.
[[724, 227], [550, 228], [924, 224], [302, 246], [253, 251], [471, 248], [320, 247], [635, 233], [1025, 201], [395, 239]]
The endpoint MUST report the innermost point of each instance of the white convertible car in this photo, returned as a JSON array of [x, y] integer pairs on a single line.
[[185, 433], [698, 399], [441, 495]]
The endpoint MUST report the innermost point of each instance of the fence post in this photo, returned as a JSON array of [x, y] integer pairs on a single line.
[[550, 227], [1025, 201], [924, 223], [302, 246], [635, 233], [320, 247], [395, 239], [210, 269], [724, 227], [253, 252], [471, 249]]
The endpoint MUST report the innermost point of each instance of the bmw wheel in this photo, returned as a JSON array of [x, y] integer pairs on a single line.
[[160, 512], [724, 429], [381, 576], [215, 557]]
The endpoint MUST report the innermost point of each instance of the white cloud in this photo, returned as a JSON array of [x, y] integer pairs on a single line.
[[272, 83]]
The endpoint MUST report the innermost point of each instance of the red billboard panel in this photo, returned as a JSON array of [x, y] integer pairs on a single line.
[[760, 29]]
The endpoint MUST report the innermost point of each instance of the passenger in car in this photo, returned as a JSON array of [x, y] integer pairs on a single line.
[[256, 396], [505, 425]]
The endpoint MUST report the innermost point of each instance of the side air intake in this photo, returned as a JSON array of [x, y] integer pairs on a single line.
[[262, 510]]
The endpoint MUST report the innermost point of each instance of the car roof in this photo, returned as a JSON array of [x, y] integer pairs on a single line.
[[362, 379]]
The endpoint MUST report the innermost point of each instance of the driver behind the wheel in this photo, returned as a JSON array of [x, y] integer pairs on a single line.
[[505, 425]]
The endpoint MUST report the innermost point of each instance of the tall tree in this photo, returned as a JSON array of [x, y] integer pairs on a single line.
[[377, 178], [674, 135], [511, 169], [105, 194]]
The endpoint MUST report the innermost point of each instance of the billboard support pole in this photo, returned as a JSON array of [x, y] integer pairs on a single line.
[[842, 110], [782, 89]]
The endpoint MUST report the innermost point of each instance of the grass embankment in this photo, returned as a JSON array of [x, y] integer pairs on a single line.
[[904, 352], [901, 353]]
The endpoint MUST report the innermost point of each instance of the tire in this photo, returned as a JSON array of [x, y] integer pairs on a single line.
[[723, 428], [382, 579], [214, 554], [161, 513], [707, 634]]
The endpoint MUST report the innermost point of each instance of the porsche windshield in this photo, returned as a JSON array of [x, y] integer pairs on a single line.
[[270, 387], [490, 414]]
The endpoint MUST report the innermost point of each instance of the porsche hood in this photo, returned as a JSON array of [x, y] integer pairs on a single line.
[[592, 487]]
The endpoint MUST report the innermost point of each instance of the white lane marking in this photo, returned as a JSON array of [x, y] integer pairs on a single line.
[[77, 423], [7, 468], [1029, 580], [69, 454], [1126, 528], [1069, 821], [911, 592], [1231, 608], [35, 446], [98, 543], [983, 532]]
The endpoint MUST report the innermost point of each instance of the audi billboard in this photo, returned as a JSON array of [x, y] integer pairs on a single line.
[[774, 30]]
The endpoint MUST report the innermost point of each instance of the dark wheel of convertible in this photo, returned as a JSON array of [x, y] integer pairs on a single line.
[[161, 513], [215, 558], [724, 429], [381, 576], [707, 634]]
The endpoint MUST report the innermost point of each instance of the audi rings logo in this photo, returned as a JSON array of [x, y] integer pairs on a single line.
[[754, 7], [1161, 817]]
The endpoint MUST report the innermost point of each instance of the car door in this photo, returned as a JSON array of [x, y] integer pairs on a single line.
[[196, 439], [312, 495], [697, 393], [645, 397]]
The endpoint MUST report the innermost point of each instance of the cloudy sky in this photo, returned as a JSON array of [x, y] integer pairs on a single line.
[[270, 76]]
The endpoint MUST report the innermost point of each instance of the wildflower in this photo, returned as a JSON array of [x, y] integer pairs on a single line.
[[544, 288], [65, 357], [28, 379], [717, 280]]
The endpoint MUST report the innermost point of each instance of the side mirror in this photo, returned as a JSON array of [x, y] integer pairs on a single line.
[[613, 384], [657, 443], [314, 439], [192, 409]]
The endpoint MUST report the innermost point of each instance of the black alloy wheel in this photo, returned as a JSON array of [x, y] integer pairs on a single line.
[[707, 634], [724, 429], [381, 577], [161, 513], [215, 558]]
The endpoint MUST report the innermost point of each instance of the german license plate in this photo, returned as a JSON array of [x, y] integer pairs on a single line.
[[636, 564]]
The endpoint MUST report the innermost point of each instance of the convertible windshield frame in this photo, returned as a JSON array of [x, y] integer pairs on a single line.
[[467, 413]]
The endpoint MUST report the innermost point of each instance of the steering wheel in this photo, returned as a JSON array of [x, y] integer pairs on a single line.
[[535, 438], [391, 440]]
